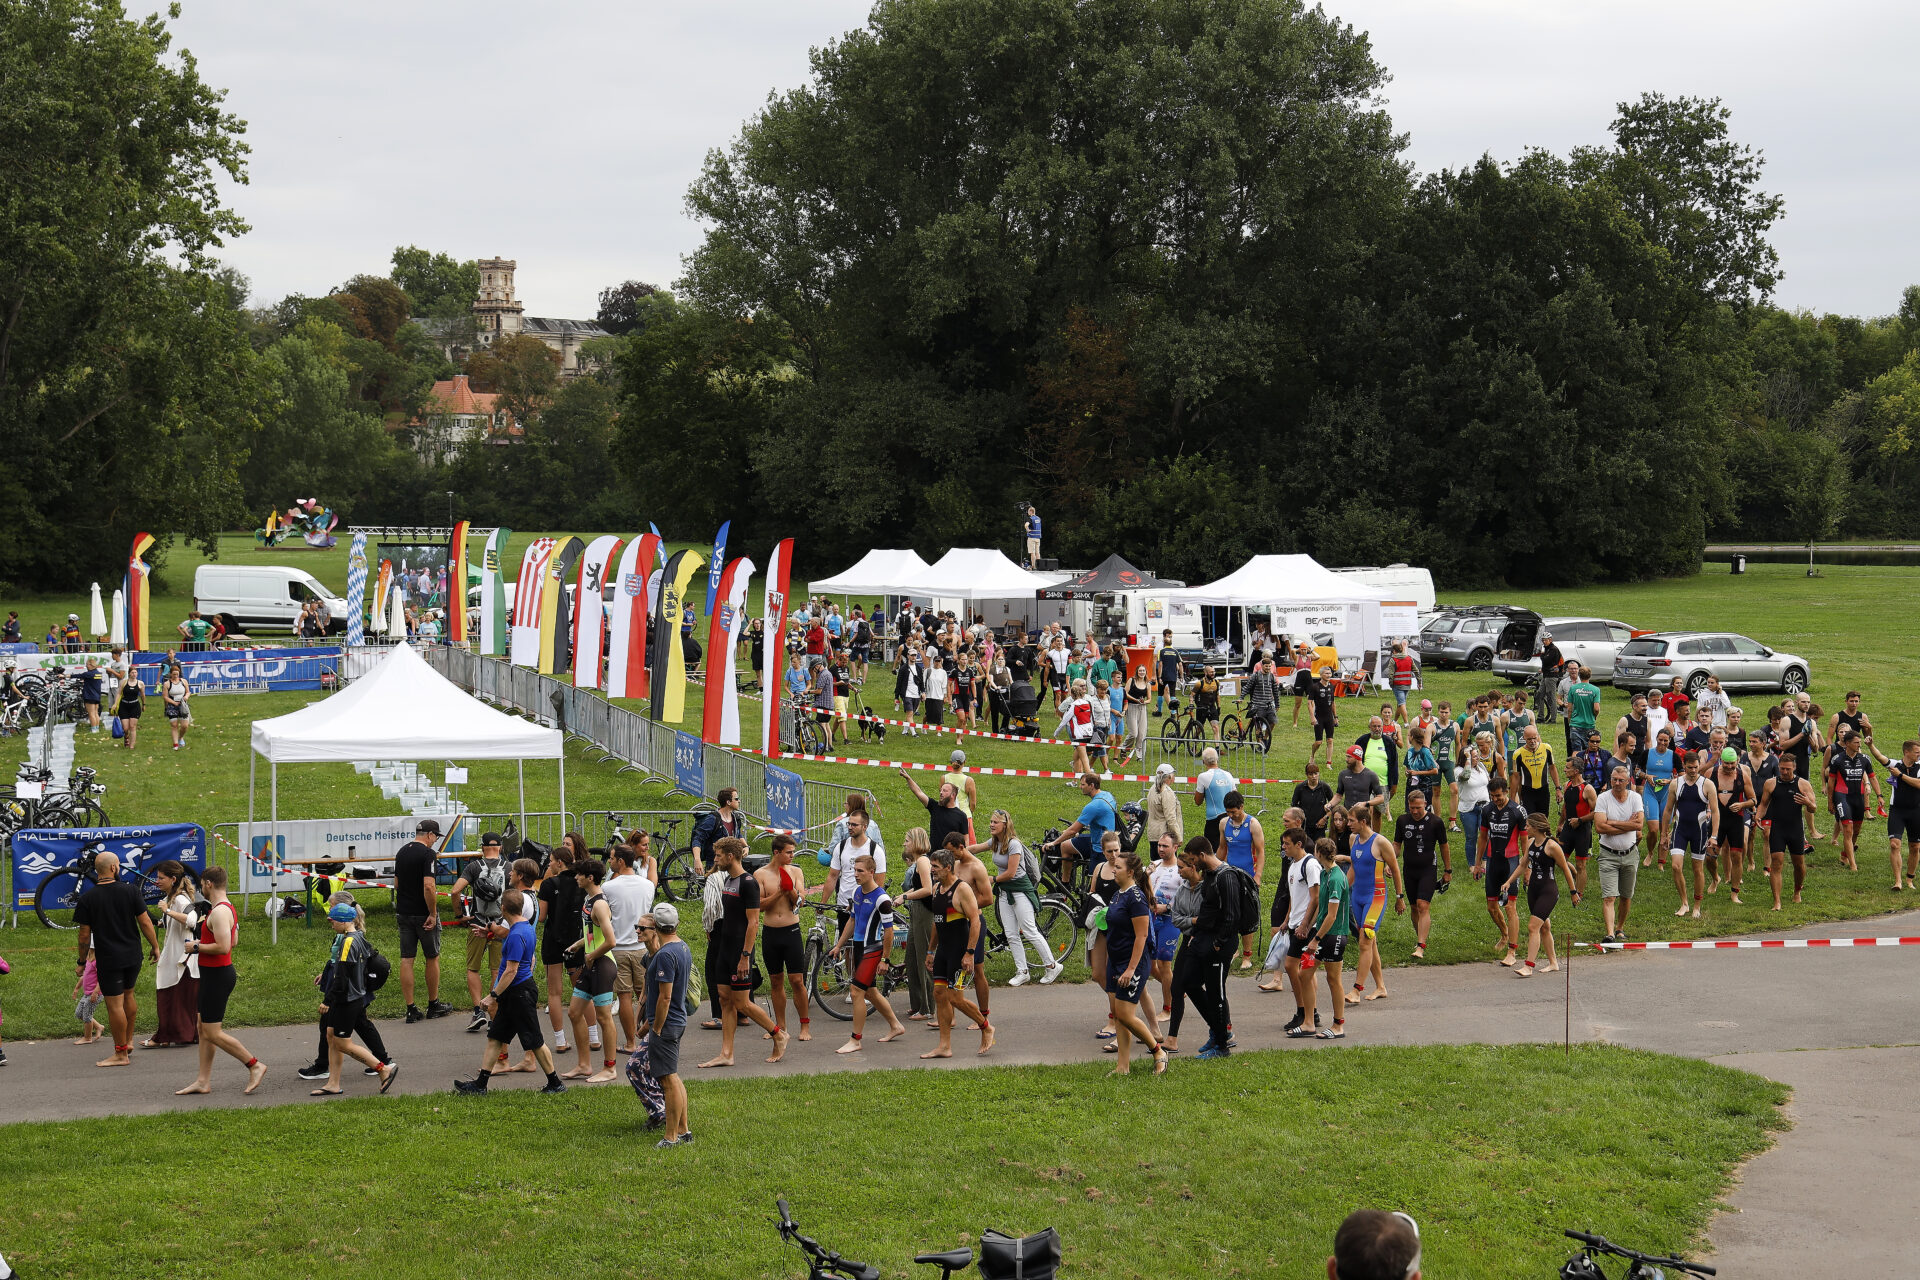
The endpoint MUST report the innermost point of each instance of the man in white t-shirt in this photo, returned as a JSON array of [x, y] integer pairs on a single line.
[[844, 881], [1619, 818], [629, 896], [1715, 702], [1303, 903]]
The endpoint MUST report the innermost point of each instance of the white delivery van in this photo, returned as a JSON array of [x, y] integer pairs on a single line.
[[1404, 582], [259, 596]]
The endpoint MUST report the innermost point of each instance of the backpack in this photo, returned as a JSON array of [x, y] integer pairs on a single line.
[[379, 969], [1030, 865], [1249, 917]]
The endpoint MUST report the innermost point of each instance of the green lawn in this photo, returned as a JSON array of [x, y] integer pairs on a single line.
[[1230, 1168], [1842, 622]]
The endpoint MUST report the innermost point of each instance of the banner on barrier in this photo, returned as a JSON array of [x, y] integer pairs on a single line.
[[37, 854], [689, 762], [373, 840], [786, 799]]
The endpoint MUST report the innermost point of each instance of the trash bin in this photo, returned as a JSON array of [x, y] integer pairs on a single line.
[[1739, 564]]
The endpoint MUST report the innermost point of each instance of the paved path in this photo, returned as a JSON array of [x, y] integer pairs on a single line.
[[1801, 1208]]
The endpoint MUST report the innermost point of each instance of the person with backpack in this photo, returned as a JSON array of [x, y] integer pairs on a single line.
[[347, 992], [1016, 897], [1216, 931], [1244, 845], [486, 878], [379, 969], [859, 643], [514, 1001]]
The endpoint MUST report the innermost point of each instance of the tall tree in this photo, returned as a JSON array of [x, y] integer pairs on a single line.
[[523, 370], [439, 286], [126, 375], [623, 306]]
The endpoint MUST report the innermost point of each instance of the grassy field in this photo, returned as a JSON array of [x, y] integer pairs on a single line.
[[1247, 1171], [1845, 623]]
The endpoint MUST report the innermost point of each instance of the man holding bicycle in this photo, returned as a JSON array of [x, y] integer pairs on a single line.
[[112, 918]]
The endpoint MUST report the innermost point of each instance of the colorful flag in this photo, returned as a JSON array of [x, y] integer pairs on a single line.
[[717, 565], [669, 674], [627, 629], [456, 601], [357, 590], [524, 638], [774, 614], [382, 588], [493, 594], [721, 721], [590, 609], [139, 598], [556, 616]]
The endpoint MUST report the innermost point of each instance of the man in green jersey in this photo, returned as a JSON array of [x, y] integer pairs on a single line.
[[1582, 706], [1328, 938]]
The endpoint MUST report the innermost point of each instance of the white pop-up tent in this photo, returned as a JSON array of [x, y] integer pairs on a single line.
[[975, 575], [1304, 598], [401, 710], [879, 573]]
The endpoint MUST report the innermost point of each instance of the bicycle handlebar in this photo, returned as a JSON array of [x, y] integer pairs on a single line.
[[1604, 1245]]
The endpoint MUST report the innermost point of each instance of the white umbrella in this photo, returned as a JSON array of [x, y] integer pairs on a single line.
[[98, 618], [397, 621], [119, 633]]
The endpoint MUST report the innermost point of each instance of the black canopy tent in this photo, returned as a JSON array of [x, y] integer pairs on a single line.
[[1113, 574]]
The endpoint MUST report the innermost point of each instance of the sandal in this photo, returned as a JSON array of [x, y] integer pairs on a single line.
[[326, 1093], [711, 1024], [1109, 1048], [1103, 1035]]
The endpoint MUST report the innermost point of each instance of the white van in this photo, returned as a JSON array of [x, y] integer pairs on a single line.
[[1404, 581], [263, 595]]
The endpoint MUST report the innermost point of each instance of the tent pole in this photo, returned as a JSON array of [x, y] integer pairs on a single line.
[[521, 766], [563, 785], [273, 837], [239, 866]]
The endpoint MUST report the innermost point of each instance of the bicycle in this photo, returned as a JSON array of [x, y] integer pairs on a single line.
[[1256, 735], [57, 896], [681, 879], [830, 977], [52, 808], [1035, 1257], [809, 738], [1641, 1266]]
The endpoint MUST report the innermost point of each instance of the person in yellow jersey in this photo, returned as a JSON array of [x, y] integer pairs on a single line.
[[1535, 773]]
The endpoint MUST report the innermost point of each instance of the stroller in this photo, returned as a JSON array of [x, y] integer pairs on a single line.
[[1023, 708]]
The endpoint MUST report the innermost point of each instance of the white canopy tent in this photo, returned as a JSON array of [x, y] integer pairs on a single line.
[[974, 575], [401, 710], [879, 573], [1304, 597]]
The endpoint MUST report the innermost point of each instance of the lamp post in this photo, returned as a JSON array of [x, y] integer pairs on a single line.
[[449, 509]]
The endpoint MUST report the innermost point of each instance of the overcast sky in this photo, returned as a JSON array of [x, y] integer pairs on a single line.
[[564, 136]]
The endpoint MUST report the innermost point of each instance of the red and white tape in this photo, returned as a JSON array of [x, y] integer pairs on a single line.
[[1750, 944], [1063, 774], [953, 729]]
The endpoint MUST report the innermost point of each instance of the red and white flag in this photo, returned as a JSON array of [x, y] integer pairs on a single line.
[[720, 722], [774, 615], [627, 629], [590, 610]]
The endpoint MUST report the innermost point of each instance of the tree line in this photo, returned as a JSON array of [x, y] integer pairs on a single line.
[[1157, 267]]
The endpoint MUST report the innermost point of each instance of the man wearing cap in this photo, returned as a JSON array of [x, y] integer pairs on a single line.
[[669, 965], [486, 876], [513, 1002], [346, 988], [1358, 784], [417, 912], [1163, 809]]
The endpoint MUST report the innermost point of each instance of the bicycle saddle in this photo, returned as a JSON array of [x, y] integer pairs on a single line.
[[949, 1262]]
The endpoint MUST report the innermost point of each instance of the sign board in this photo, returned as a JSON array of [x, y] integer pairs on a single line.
[[786, 799], [1310, 619], [39, 853], [1399, 618], [456, 774], [374, 840], [689, 763]]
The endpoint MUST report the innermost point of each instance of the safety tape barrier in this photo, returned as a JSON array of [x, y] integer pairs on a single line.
[[953, 729], [1750, 944], [794, 831], [1064, 774]]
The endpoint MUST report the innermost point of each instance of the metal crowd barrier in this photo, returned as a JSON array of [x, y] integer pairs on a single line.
[[1240, 760], [826, 801]]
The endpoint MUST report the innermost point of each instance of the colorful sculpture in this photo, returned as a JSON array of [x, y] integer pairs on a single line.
[[306, 517]]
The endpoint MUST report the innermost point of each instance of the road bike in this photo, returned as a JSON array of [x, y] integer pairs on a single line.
[[1255, 734], [1640, 1266], [830, 976], [1035, 1257], [810, 737], [74, 807], [57, 895]]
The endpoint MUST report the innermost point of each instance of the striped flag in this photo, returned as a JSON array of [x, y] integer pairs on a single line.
[[357, 590]]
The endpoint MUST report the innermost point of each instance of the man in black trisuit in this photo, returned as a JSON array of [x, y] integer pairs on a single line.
[[1420, 834], [1782, 801]]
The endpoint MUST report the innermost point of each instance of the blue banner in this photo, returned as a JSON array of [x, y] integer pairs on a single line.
[[786, 799], [37, 854], [245, 670], [717, 565], [689, 762]]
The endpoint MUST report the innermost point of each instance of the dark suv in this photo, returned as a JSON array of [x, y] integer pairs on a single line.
[[1470, 637]]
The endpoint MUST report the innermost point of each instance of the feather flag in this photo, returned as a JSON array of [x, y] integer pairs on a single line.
[[357, 590], [525, 634], [556, 616], [456, 601], [590, 609], [721, 720], [139, 597], [717, 565], [493, 594], [382, 588], [627, 629], [669, 675], [774, 613]]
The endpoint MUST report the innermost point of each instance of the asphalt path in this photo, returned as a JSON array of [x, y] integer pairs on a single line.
[[1838, 1025]]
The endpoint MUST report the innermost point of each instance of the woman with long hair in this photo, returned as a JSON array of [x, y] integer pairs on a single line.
[[133, 695], [917, 892], [1544, 859], [1017, 899], [560, 898], [1129, 918], [1658, 773], [999, 685], [175, 693], [176, 974], [1163, 886], [214, 950], [1138, 694]]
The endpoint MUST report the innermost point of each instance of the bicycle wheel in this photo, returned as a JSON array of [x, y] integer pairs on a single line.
[[1196, 736], [1261, 738], [680, 879], [82, 812], [827, 986], [1059, 926], [57, 896], [1171, 730], [1231, 730]]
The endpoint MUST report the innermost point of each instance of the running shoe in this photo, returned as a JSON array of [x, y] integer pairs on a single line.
[[313, 1071], [438, 1008], [478, 1022], [1052, 974], [664, 1143], [475, 1085], [1020, 979], [1214, 1051], [557, 1087], [414, 1015]]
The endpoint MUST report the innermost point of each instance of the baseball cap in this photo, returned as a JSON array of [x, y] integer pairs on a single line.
[[427, 825], [958, 757], [1164, 771], [489, 837], [666, 915]]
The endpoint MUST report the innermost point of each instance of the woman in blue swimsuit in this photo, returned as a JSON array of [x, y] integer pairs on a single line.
[[1653, 795]]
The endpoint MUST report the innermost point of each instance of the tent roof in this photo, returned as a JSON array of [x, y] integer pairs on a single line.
[[879, 573], [402, 710], [1297, 579], [975, 573], [1114, 574]]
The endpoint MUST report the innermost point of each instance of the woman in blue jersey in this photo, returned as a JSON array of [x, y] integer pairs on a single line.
[[1370, 852], [1655, 779]]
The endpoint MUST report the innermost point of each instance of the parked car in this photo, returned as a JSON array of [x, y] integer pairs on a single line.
[[1652, 661], [1591, 642], [1472, 636]]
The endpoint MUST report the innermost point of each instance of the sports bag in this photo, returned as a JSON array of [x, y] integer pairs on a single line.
[[1034, 1257]]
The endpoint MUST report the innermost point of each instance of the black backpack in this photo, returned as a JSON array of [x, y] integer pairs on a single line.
[[379, 969], [1248, 920]]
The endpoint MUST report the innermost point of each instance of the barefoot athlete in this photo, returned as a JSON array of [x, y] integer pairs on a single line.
[[1734, 788], [1369, 851], [1693, 824], [1784, 801], [782, 885], [112, 919], [1418, 834], [869, 928], [1544, 858], [593, 984], [738, 930], [1502, 829], [214, 949], [956, 916]]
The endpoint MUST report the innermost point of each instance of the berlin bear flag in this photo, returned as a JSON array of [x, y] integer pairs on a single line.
[[669, 675], [721, 721], [774, 614], [627, 628], [589, 610]]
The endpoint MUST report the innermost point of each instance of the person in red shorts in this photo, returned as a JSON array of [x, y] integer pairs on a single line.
[[869, 929]]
